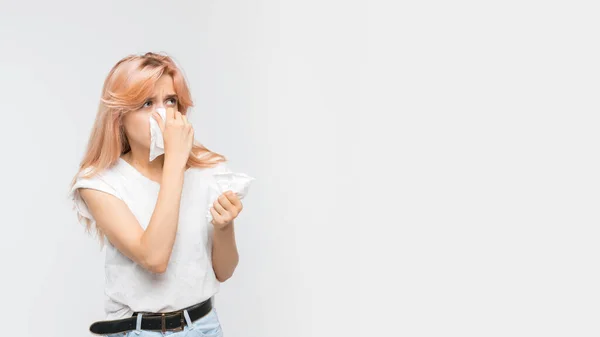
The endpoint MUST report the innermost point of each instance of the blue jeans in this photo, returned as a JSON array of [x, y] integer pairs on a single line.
[[207, 326]]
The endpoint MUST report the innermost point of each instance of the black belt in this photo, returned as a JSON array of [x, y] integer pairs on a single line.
[[173, 320]]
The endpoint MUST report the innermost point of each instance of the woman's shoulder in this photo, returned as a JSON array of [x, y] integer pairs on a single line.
[[107, 175], [108, 180], [222, 167], [219, 167], [205, 177]]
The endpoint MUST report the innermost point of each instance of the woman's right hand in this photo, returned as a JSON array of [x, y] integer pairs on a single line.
[[178, 135]]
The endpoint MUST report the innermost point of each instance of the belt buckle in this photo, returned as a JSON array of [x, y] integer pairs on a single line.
[[180, 327], [163, 323]]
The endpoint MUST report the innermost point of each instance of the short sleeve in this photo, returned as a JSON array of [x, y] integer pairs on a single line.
[[97, 182]]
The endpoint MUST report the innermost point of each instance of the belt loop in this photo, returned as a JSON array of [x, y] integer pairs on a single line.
[[187, 319], [163, 323], [138, 324]]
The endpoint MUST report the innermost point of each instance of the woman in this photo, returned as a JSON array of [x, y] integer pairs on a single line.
[[164, 259]]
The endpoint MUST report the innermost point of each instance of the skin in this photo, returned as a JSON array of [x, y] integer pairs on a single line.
[[152, 248]]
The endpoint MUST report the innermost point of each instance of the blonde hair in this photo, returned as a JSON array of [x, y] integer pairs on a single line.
[[129, 83]]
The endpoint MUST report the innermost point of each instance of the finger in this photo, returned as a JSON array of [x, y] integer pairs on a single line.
[[159, 120], [215, 215], [234, 199], [191, 136], [170, 113], [217, 206], [227, 205], [185, 120], [230, 195], [178, 115]]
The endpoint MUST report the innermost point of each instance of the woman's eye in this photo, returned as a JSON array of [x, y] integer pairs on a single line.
[[172, 101], [147, 104]]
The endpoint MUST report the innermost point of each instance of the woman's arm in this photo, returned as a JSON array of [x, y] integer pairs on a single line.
[[225, 255], [151, 248]]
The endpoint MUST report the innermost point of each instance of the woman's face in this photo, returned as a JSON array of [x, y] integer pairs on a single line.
[[137, 124]]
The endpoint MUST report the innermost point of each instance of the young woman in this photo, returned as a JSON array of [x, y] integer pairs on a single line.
[[164, 259]]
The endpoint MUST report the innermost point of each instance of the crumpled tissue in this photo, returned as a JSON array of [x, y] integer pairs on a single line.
[[239, 183], [157, 143]]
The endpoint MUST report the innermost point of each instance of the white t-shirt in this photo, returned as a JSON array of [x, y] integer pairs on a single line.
[[189, 277]]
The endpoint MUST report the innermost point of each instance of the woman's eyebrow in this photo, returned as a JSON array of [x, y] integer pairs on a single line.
[[166, 97]]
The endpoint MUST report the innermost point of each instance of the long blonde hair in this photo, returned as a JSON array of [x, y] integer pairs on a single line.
[[127, 86]]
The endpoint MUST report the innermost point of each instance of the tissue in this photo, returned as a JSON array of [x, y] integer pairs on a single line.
[[157, 143], [239, 183]]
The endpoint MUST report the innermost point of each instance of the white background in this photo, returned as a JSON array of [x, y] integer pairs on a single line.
[[422, 170]]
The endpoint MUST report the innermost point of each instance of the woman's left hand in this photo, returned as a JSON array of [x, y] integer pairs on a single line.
[[226, 208]]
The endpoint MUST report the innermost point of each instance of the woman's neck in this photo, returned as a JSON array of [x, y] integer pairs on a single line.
[[142, 163]]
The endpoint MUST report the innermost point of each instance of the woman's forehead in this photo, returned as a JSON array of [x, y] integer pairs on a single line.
[[164, 86]]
